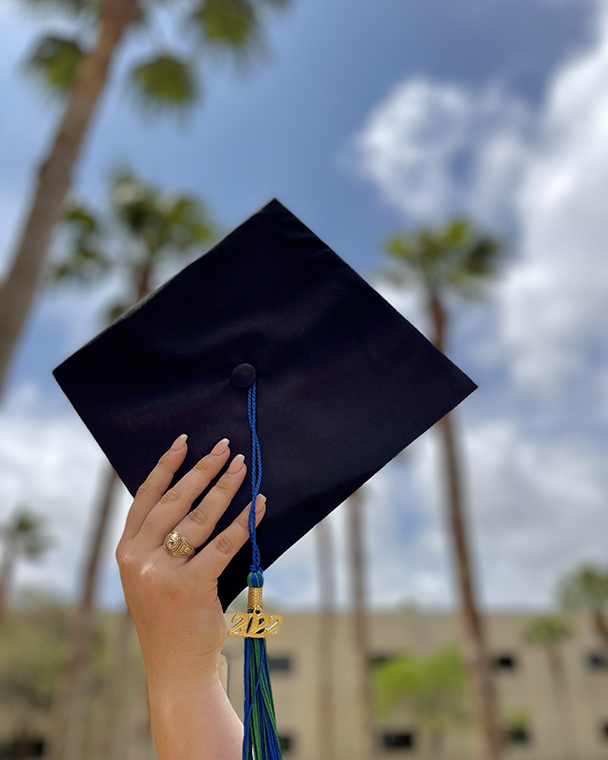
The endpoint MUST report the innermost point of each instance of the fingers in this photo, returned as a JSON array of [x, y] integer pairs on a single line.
[[198, 524], [214, 558], [155, 486], [176, 502]]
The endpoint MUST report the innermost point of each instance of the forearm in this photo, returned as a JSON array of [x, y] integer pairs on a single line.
[[174, 601], [196, 725]]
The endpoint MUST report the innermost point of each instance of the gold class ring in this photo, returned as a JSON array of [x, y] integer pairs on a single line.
[[177, 545]]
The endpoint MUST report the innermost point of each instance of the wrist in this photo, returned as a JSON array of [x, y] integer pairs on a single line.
[[174, 684], [166, 693], [198, 724]]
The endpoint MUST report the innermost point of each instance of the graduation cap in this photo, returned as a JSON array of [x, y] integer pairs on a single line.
[[272, 340]]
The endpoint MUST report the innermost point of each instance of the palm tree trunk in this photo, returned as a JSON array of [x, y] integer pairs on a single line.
[[6, 575], [562, 706], [362, 695], [325, 561], [436, 744], [64, 742], [601, 627], [54, 177], [118, 714], [478, 665], [143, 282]]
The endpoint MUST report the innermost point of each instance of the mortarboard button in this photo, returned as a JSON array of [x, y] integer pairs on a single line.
[[243, 375]]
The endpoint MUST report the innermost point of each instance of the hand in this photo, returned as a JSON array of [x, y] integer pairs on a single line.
[[174, 600]]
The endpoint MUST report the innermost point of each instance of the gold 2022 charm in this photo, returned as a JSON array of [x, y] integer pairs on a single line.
[[255, 624]]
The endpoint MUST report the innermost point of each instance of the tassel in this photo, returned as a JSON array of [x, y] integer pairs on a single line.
[[260, 740]]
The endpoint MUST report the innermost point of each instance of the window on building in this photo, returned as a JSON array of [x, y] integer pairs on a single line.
[[505, 661], [378, 659], [604, 730], [518, 735], [398, 740], [286, 743], [22, 748], [597, 661], [280, 664]]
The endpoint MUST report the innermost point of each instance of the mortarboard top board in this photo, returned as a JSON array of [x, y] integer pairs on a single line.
[[344, 382]]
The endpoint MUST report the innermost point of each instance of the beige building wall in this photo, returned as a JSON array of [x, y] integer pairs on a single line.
[[525, 686]]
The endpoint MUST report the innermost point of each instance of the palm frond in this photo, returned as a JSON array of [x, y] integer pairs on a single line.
[[431, 688], [165, 223], [548, 631], [164, 83], [585, 588], [186, 223], [25, 533], [395, 273], [231, 24], [82, 265], [116, 310], [278, 4], [482, 259], [409, 258], [54, 61], [455, 232], [85, 259], [82, 219], [70, 7], [399, 246], [456, 256], [136, 208]]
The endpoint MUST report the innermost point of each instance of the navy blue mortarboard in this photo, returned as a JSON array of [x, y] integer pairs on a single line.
[[344, 382], [271, 340]]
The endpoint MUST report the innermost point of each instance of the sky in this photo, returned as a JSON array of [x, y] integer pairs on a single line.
[[365, 119]]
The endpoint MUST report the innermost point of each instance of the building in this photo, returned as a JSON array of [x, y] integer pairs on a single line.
[[523, 681]]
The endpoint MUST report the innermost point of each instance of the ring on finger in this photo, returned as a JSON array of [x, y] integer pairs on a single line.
[[178, 545]]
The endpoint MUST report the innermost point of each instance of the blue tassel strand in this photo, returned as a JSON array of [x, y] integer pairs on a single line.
[[260, 739]]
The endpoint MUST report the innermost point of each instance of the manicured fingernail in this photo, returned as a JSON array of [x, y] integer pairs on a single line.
[[236, 463], [260, 504], [179, 442], [220, 447]]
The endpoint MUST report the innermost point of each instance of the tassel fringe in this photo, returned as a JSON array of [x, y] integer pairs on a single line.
[[260, 740]]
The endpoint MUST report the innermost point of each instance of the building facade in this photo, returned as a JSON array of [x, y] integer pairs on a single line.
[[524, 684]]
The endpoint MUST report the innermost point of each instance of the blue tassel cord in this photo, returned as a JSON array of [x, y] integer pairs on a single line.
[[260, 739]]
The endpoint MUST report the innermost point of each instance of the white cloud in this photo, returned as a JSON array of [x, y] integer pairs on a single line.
[[538, 508], [537, 451], [434, 149], [51, 465], [554, 304]]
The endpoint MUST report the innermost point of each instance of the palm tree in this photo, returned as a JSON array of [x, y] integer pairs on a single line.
[[67, 725], [363, 687], [78, 72], [586, 588], [22, 536], [142, 231], [517, 723], [325, 658], [550, 632], [431, 689], [456, 259], [116, 716]]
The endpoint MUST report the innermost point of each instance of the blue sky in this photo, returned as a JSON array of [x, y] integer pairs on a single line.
[[368, 117]]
